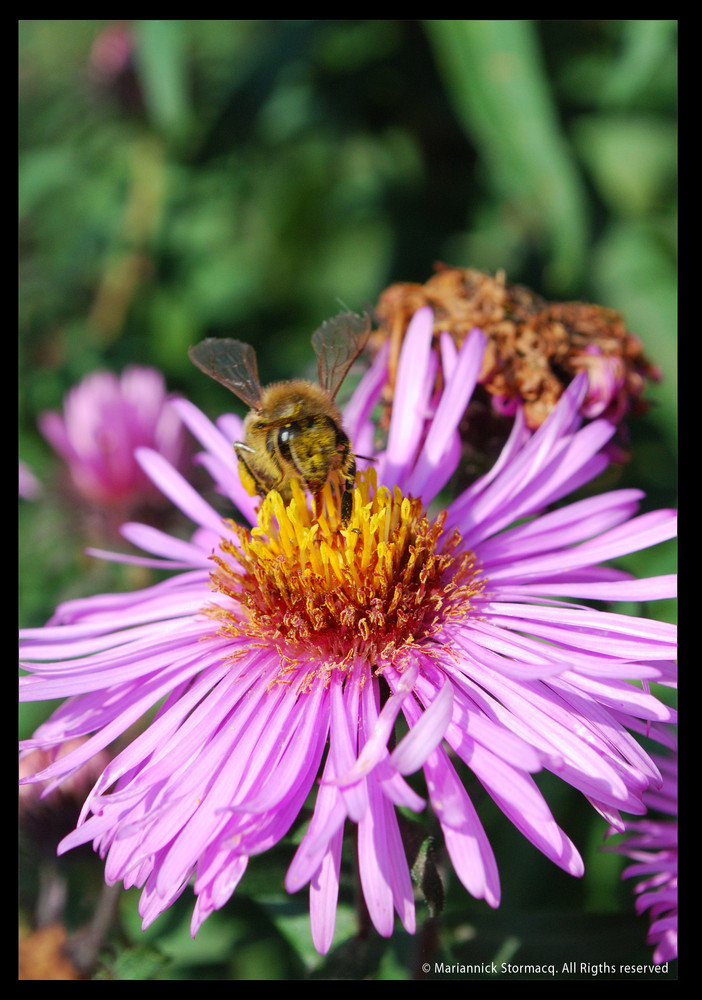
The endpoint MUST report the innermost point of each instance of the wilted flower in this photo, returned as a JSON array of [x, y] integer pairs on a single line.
[[652, 843], [304, 656], [535, 347], [104, 419]]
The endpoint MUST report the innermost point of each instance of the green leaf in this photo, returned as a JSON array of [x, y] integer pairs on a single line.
[[162, 63], [494, 74], [632, 160], [144, 962]]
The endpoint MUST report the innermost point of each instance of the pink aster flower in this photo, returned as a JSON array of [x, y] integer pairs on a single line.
[[652, 843], [29, 485], [104, 419], [307, 656]]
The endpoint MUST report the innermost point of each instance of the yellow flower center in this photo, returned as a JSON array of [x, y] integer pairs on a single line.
[[323, 592]]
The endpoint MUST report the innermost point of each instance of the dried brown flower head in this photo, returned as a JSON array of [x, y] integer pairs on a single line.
[[535, 347]]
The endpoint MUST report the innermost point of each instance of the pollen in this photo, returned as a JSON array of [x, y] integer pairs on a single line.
[[324, 592]]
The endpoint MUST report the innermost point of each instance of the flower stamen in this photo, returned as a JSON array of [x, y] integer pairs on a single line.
[[325, 592]]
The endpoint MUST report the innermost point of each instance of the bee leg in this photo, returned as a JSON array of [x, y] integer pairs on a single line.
[[251, 482], [347, 495], [347, 464], [248, 480], [346, 504], [318, 505]]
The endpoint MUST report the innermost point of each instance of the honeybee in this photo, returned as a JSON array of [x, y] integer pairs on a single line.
[[293, 429]]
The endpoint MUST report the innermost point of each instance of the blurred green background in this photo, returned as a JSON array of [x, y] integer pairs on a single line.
[[182, 179]]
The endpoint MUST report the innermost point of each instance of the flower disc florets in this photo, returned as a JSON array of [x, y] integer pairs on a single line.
[[326, 592]]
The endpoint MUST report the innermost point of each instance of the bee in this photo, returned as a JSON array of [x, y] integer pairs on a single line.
[[293, 429]]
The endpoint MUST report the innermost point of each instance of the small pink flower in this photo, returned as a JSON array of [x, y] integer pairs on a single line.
[[652, 843], [29, 485], [104, 419]]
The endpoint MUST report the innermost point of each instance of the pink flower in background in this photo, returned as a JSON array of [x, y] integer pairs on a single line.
[[29, 485], [104, 419], [279, 660], [652, 843]]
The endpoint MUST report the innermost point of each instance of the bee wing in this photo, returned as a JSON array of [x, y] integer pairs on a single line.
[[232, 363], [338, 342]]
